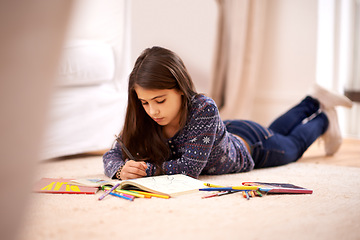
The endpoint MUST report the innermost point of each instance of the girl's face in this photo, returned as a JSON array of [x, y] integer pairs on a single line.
[[162, 105]]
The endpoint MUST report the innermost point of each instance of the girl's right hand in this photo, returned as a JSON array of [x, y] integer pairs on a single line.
[[133, 169]]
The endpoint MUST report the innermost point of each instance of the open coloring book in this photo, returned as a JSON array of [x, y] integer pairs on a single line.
[[170, 185]]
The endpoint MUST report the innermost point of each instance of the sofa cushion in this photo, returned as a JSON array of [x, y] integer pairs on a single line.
[[86, 62]]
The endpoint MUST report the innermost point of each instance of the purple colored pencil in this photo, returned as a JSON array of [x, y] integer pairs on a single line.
[[107, 192]]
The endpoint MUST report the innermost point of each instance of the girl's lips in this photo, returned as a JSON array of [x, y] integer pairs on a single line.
[[158, 119]]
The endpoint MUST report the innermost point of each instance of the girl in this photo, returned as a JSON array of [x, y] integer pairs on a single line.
[[170, 129]]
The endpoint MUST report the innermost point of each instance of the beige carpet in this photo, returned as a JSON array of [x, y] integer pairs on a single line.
[[331, 212]]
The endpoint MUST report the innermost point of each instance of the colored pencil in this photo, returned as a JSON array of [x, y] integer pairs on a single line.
[[117, 190], [122, 145], [246, 195], [122, 196], [219, 194], [213, 185], [135, 194], [246, 187], [151, 194], [107, 193], [127, 193], [239, 188]]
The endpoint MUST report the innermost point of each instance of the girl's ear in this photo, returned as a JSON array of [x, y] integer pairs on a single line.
[[180, 92]]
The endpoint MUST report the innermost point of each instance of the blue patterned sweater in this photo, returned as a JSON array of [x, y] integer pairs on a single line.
[[203, 146]]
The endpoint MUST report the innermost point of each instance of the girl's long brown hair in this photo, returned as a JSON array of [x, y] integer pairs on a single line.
[[155, 68]]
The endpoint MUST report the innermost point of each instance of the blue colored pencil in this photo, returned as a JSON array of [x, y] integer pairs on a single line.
[[238, 188], [121, 196], [247, 195]]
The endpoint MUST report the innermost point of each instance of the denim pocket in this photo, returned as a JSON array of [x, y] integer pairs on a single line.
[[268, 158], [251, 131], [263, 133]]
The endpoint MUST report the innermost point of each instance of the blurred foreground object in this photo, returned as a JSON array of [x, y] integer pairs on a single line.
[[31, 36]]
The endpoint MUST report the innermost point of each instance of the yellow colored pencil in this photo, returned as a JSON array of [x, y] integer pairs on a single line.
[[131, 193], [252, 194], [151, 194], [213, 185], [124, 192], [235, 187], [246, 187]]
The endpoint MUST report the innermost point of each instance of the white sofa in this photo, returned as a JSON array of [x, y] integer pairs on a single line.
[[90, 96]]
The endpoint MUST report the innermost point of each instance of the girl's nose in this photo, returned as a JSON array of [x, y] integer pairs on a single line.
[[154, 111]]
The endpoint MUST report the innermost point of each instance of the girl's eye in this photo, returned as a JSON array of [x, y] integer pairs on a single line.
[[144, 103], [162, 101]]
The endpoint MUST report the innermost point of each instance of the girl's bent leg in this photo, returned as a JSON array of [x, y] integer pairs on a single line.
[[279, 149], [292, 118]]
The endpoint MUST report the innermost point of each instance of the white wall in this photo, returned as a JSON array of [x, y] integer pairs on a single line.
[[288, 67], [187, 27]]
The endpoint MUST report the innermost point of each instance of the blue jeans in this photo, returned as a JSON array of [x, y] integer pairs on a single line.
[[288, 136]]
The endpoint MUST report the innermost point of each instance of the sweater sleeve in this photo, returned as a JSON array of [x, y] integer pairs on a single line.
[[196, 144], [113, 160]]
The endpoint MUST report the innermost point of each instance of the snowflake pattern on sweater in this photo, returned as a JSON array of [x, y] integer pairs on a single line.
[[203, 146]]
